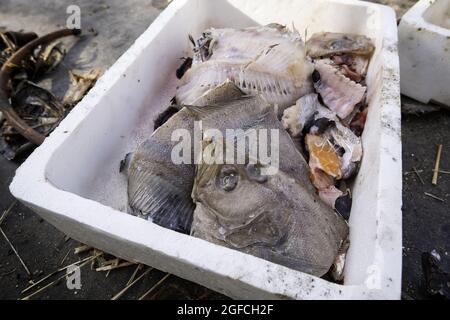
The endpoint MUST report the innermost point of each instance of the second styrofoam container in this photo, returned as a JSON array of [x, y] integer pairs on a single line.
[[73, 180], [424, 46]]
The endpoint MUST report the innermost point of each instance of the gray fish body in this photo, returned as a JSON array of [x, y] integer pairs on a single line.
[[278, 217], [159, 189]]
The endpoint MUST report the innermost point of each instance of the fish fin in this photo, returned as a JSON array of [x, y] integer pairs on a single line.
[[164, 116], [206, 111], [125, 163], [165, 205]]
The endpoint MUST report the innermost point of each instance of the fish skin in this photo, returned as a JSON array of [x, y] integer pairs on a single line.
[[279, 218], [268, 60], [325, 44]]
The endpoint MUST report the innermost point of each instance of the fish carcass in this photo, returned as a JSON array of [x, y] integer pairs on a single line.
[[268, 60]]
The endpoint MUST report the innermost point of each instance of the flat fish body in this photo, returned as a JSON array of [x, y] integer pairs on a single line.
[[268, 60], [275, 217], [159, 189]]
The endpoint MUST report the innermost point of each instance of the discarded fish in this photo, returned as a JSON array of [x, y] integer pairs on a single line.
[[160, 190], [351, 66], [325, 44], [224, 92], [338, 92], [268, 60], [323, 156], [275, 217], [334, 150], [343, 138], [304, 113], [310, 116]]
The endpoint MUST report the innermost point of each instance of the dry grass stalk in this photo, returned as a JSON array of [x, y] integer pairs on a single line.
[[57, 280], [82, 249], [88, 259], [15, 252], [139, 267], [154, 287], [65, 257], [7, 211], [418, 175], [121, 292], [436, 165], [115, 266], [443, 171], [434, 197]]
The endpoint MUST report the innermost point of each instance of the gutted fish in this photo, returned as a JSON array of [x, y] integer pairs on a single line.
[[338, 92], [276, 217], [326, 44], [268, 60]]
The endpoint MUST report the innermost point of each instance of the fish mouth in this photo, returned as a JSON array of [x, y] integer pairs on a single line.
[[239, 236]]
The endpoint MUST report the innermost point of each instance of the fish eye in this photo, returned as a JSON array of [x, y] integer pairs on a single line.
[[228, 178]]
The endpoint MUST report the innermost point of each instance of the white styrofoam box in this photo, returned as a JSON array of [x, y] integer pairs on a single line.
[[424, 46], [73, 180]]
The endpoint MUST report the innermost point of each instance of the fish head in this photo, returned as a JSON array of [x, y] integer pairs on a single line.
[[270, 216]]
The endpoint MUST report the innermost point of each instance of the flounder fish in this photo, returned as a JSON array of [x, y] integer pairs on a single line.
[[277, 217], [159, 189], [267, 60]]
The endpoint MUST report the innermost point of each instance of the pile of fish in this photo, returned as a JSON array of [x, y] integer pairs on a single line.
[[262, 78]]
